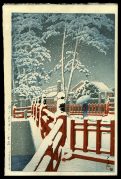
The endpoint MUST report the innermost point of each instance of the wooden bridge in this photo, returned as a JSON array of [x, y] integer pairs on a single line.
[[52, 123]]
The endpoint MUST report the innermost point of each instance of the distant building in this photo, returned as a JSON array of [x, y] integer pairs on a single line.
[[77, 85], [52, 91], [103, 88]]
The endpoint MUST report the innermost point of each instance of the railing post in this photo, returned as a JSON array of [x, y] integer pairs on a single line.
[[72, 135], [43, 105], [36, 110], [37, 115], [14, 111], [60, 113], [95, 109], [25, 114], [60, 102], [98, 137], [107, 108], [85, 138], [43, 100], [112, 139], [33, 104], [92, 108], [88, 108], [111, 106], [39, 100]]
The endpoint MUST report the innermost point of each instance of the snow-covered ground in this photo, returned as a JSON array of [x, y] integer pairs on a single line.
[[80, 165]]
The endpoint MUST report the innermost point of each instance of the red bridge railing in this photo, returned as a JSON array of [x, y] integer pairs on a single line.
[[97, 127], [93, 109], [48, 156], [53, 131], [22, 112], [71, 109]]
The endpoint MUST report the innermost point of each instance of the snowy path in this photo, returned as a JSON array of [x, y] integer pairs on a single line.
[[80, 165], [92, 118]]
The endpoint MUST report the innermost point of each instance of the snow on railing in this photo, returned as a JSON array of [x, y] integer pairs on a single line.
[[46, 118], [48, 156], [48, 151], [98, 128]]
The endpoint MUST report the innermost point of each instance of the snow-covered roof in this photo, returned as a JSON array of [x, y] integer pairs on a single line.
[[78, 85], [52, 94], [102, 87], [51, 87]]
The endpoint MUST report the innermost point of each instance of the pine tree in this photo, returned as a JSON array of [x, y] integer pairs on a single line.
[[29, 54], [87, 31], [31, 33], [59, 26], [78, 29], [87, 88]]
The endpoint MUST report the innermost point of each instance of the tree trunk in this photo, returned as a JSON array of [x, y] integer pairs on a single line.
[[72, 70], [62, 60]]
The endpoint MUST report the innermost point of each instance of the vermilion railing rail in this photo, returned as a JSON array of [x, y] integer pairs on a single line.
[[19, 112], [72, 109], [53, 130], [109, 128]]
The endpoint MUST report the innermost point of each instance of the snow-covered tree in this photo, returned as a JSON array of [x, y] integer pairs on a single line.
[[82, 30], [87, 31], [78, 29], [29, 54], [30, 37], [87, 88], [59, 26]]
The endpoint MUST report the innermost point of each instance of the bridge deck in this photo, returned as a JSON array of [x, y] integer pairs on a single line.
[[80, 165]]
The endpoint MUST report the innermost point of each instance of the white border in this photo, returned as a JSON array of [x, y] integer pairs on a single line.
[[48, 8]]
